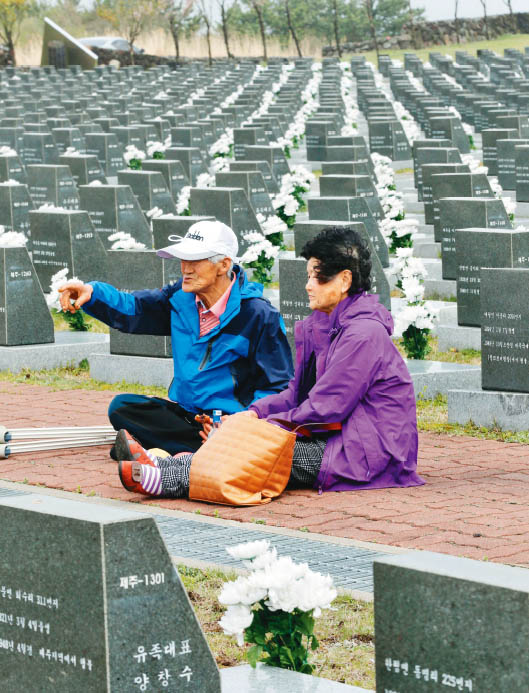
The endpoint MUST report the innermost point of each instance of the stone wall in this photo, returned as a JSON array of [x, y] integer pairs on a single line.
[[439, 33]]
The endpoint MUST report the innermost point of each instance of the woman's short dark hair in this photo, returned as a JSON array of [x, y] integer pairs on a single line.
[[340, 248]]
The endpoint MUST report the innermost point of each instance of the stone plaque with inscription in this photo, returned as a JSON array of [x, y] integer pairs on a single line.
[[150, 189], [11, 168], [433, 155], [15, 206], [439, 620], [85, 168], [52, 184], [262, 166], [522, 173], [456, 185], [115, 208], [352, 186], [429, 170], [253, 184], [84, 610], [172, 171], [61, 239], [505, 329], [132, 270], [191, 160], [466, 213], [273, 154]]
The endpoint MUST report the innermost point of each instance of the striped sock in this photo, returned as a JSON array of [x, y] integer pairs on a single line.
[[151, 479], [152, 457]]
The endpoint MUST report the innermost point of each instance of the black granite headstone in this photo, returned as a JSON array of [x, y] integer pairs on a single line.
[[150, 189], [115, 208], [67, 239], [191, 160], [24, 315], [52, 184], [429, 170], [85, 610], [456, 185], [352, 186], [172, 171], [39, 148], [439, 619], [109, 152], [466, 213], [273, 154], [262, 166], [11, 168], [85, 168], [15, 205], [254, 186], [506, 162], [131, 271], [387, 137], [433, 155], [490, 139]]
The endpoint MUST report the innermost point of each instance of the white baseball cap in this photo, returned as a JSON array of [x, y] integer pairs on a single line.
[[203, 240]]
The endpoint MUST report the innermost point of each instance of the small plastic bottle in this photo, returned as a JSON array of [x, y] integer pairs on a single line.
[[217, 421]]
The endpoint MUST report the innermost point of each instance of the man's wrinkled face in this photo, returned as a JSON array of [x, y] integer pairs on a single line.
[[199, 276]]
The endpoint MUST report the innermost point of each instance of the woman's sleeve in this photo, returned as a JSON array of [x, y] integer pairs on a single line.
[[352, 369]]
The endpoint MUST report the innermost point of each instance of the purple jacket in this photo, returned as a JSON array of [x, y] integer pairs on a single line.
[[361, 381]]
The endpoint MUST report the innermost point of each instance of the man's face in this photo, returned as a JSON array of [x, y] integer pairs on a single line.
[[199, 276]]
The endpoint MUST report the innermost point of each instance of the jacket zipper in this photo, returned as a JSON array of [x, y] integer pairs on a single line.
[[207, 356], [332, 335]]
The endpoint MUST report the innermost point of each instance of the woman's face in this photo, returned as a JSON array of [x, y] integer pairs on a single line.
[[326, 297]]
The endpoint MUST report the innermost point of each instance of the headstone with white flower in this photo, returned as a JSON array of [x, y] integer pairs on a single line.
[[67, 137], [387, 137], [150, 189], [11, 167], [354, 209], [191, 159], [254, 186], [465, 213], [167, 228], [507, 161], [456, 185], [52, 184], [429, 170], [172, 171], [229, 205], [24, 315], [263, 167], [85, 168], [66, 238], [115, 208], [15, 205], [131, 135], [433, 155], [478, 248], [12, 137], [39, 148], [109, 152]]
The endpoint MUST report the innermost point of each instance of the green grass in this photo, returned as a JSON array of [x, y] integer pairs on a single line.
[[499, 44], [345, 633], [61, 325], [469, 356]]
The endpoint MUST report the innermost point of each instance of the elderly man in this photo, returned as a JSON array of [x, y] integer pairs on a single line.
[[229, 344]]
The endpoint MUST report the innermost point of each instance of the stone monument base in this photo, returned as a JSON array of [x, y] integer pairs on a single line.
[[490, 408], [458, 337], [145, 370], [70, 348], [432, 378], [427, 249], [265, 679], [444, 288]]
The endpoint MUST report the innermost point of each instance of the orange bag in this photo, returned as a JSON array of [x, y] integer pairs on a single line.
[[246, 462]]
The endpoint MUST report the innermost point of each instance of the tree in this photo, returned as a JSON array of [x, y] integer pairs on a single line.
[[369, 6], [514, 26], [456, 19], [129, 17], [258, 7], [485, 18], [206, 19], [12, 12], [181, 19], [336, 27], [225, 6], [291, 27]]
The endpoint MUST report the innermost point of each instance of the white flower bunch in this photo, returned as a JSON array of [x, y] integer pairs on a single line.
[[132, 152], [400, 228], [223, 145], [419, 315], [72, 151], [509, 204], [205, 180], [220, 164], [154, 147], [298, 177], [7, 151], [468, 129], [124, 241], [182, 204], [411, 129], [287, 201], [271, 224], [12, 239], [10, 182], [58, 279], [392, 202], [407, 266], [49, 207], [259, 244], [154, 213], [277, 582], [95, 182], [474, 165], [417, 84], [383, 170]]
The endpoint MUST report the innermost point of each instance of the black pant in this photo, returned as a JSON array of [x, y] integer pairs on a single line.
[[156, 422]]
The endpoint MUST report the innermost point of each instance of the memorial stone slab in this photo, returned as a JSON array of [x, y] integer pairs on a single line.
[[433, 155], [68, 137], [150, 189], [191, 160], [15, 205], [85, 168], [253, 184], [317, 133], [479, 248], [110, 619], [522, 173], [489, 139], [507, 162], [39, 148], [172, 171], [451, 129], [249, 136], [505, 330], [107, 149], [11, 168], [353, 209], [347, 168], [229, 205], [293, 302], [52, 184], [352, 186], [265, 170], [24, 314], [387, 137], [456, 185], [168, 228], [274, 155], [115, 208], [429, 170], [136, 270], [466, 213], [66, 239], [438, 621]]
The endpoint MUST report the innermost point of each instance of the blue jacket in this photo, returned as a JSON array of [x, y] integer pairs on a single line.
[[244, 358]]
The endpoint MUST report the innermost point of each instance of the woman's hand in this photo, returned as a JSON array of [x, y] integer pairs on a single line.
[[206, 427]]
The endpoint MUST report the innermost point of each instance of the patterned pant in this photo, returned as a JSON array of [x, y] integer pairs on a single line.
[[306, 463]]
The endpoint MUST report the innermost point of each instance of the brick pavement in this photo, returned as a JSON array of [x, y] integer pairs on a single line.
[[475, 502]]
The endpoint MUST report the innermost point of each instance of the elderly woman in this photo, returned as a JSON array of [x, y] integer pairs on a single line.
[[347, 370]]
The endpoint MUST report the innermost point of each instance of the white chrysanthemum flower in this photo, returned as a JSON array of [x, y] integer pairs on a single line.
[[12, 239], [182, 204], [132, 152], [124, 241]]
